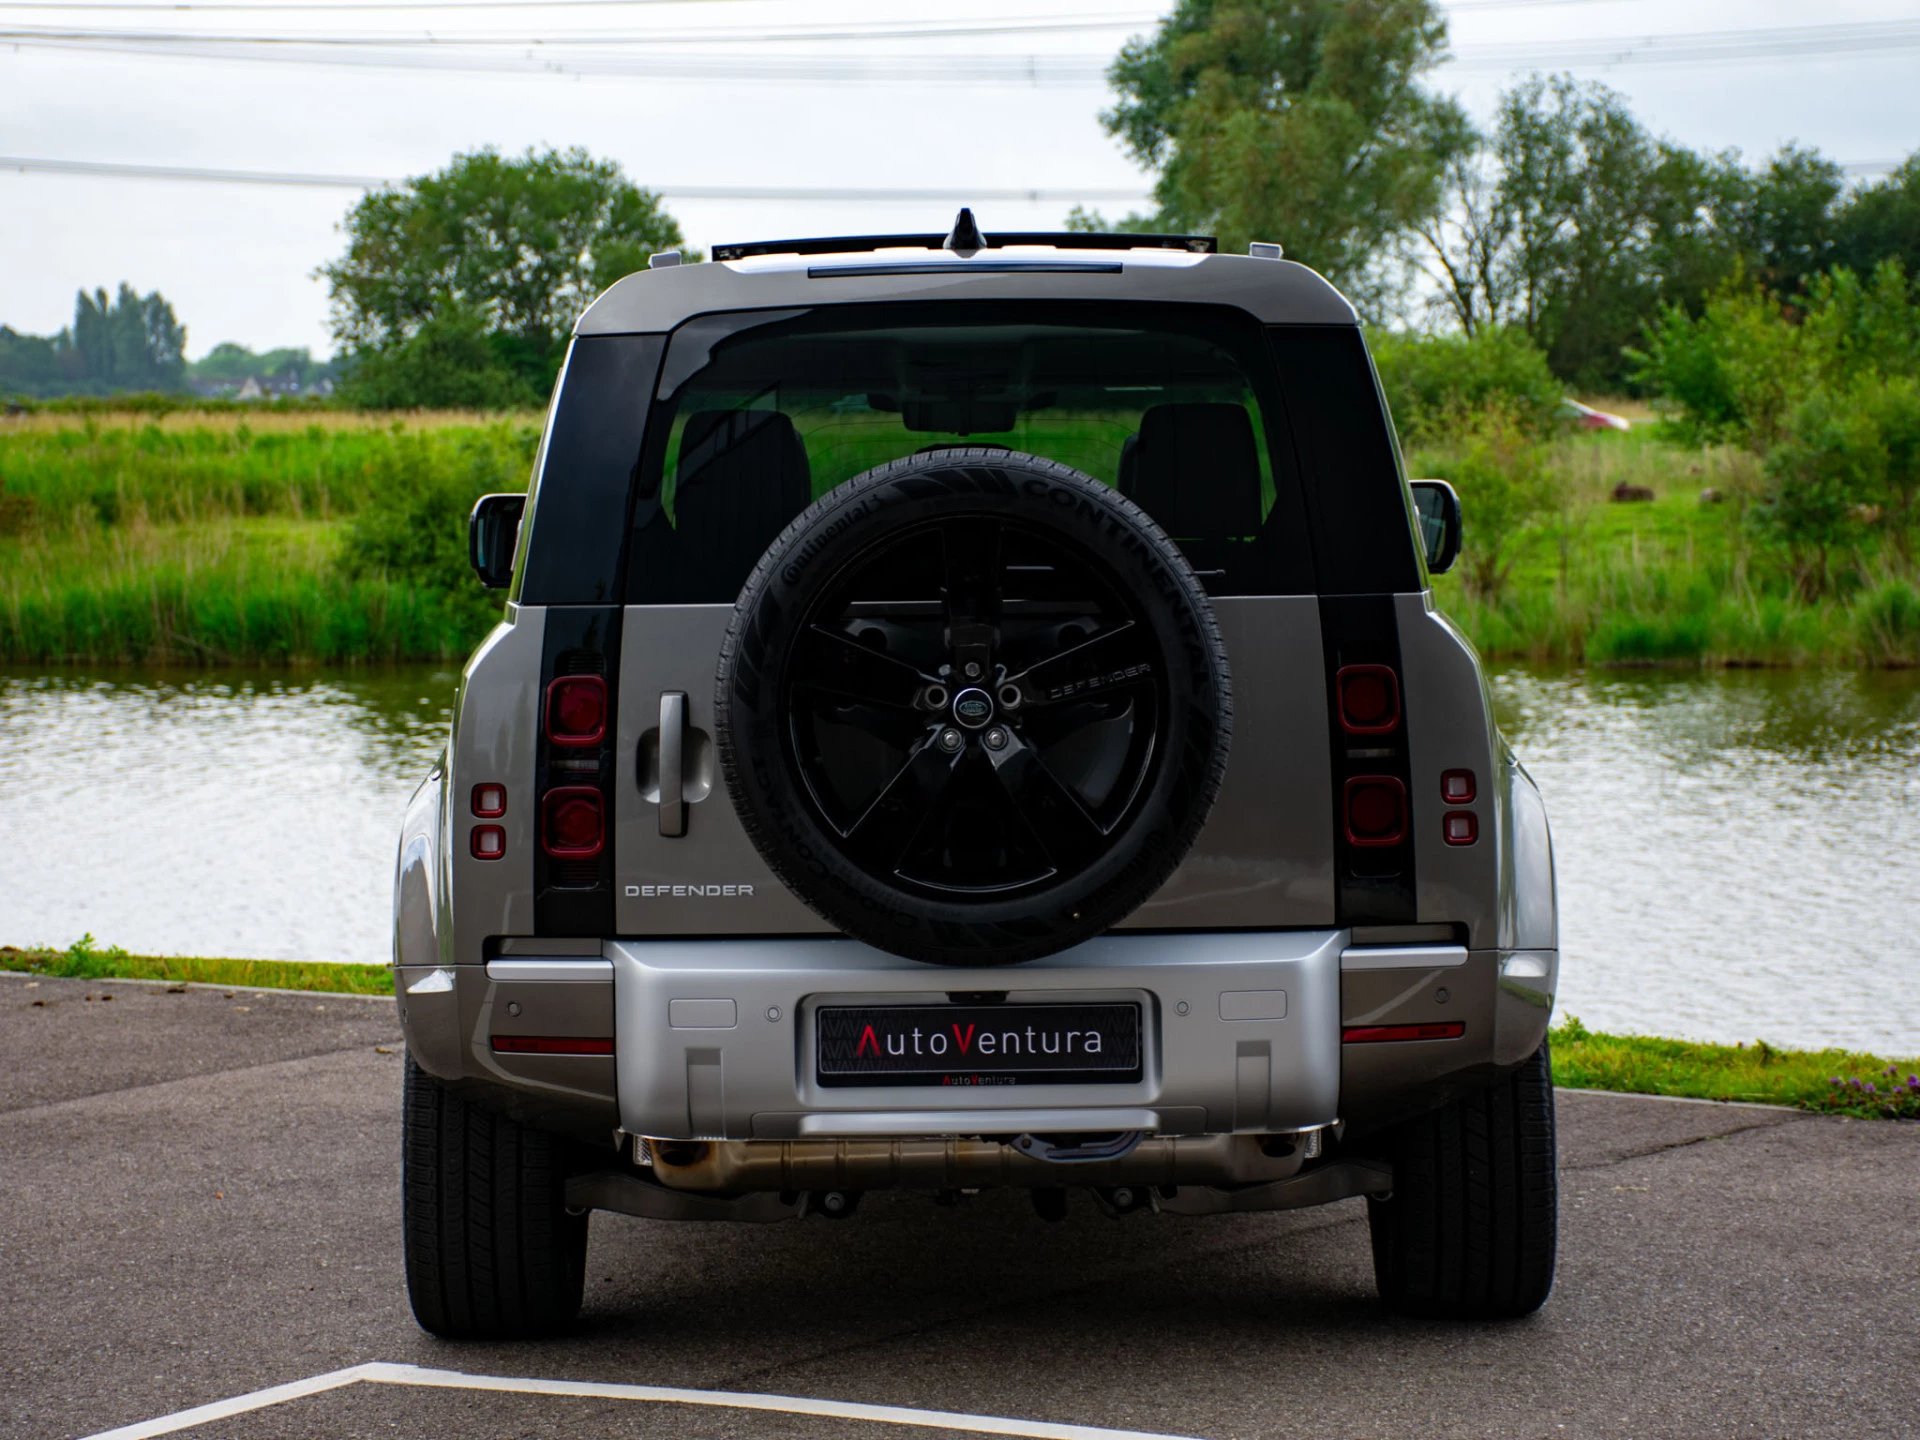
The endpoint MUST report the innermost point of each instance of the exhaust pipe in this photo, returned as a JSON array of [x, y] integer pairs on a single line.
[[741, 1166]]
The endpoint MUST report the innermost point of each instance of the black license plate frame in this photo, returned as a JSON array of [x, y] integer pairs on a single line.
[[956, 1044]]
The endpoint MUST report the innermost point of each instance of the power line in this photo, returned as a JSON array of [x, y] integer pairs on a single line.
[[198, 174], [589, 56], [919, 30], [845, 195]]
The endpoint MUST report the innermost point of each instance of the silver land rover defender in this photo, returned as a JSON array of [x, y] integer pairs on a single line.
[[969, 712]]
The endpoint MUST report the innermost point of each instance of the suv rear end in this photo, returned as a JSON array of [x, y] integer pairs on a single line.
[[631, 977]]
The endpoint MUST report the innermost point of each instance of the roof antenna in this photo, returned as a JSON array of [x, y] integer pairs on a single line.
[[966, 238]]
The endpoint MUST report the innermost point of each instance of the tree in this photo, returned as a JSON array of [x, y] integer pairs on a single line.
[[1300, 121], [127, 342], [132, 342], [1881, 222], [516, 246], [1784, 224]]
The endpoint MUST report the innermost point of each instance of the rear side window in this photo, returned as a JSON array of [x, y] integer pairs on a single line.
[[759, 415]]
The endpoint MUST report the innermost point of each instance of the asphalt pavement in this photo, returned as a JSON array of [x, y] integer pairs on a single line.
[[199, 1193]]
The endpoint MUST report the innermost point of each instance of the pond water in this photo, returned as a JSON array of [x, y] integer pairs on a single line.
[[1737, 852]]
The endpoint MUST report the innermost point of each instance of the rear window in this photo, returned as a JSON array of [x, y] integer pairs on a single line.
[[759, 414]]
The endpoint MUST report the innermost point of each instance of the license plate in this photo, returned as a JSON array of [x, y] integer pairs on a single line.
[[1050, 1044]]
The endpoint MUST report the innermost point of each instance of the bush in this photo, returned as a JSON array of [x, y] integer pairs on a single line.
[[1828, 467], [1738, 370], [1505, 485], [1433, 380], [451, 362], [1887, 620], [413, 526]]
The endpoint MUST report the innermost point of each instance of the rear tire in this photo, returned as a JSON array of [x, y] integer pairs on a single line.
[[491, 1252], [1471, 1228]]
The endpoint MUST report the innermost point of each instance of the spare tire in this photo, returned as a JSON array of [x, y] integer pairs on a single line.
[[973, 707]]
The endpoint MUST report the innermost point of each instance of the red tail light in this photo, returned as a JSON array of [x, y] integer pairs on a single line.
[[573, 823], [577, 710], [1432, 1030], [1375, 807], [1369, 699], [489, 801], [489, 842], [1460, 827]]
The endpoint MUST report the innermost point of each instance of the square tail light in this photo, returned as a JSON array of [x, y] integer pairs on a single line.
[[573, 822], [1457, 787], [1460, 827], [1369, 699], [577, 710], [489, 801], [1375, 809], [489, 842]]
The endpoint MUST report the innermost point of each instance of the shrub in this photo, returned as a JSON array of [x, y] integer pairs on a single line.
[[1887, 621], [1432, 380], [451, 362], [1830, 464], [1505, 485], [413, 526]]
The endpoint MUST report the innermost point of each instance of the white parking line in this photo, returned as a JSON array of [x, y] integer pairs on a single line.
[[240, 1404], [381, 1373]]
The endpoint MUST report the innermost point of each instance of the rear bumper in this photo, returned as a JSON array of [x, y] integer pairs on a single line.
[[746, 1069], [738, 1063]]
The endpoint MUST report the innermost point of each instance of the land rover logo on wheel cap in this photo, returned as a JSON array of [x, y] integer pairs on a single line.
[[973, 708]]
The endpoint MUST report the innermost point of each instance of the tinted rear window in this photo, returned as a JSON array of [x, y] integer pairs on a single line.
[[758, 415]]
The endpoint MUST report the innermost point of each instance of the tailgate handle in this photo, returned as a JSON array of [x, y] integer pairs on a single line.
[[673, 732]]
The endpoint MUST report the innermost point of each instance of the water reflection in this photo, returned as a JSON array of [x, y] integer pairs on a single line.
[[211, 812], [1735, 850]]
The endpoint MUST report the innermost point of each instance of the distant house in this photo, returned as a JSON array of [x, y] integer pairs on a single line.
[[250, 390]]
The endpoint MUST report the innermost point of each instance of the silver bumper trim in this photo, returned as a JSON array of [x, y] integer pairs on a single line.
[[1202, 1074]]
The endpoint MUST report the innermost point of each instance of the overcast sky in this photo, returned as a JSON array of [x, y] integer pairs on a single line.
[[718, 109]]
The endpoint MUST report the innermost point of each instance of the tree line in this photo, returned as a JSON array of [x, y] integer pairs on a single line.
[[130, 343], [1311, 122]]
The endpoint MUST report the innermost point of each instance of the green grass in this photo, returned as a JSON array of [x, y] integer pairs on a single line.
[[1676, 580], [214, 537], [87, 960], [218, 592], [1828, 1081]]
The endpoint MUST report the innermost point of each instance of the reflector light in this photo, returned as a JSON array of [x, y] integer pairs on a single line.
[[1457, 787], [577, 710], [1376, 810], [1369, 699], [1433, 1030], [489, 842], [1460, 827], [489, 801], [572, 823], [551, 1045]]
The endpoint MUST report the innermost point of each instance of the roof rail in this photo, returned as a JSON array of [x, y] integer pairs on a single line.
[[1000, 240]]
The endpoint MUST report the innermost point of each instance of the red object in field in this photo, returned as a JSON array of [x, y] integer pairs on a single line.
[[489, 801], [573, 824], [489, 842], [1460, 827], [1375, 807], [577, 710], [1457, 787], [551, 1045], [1369, 699], [1432, 1030]]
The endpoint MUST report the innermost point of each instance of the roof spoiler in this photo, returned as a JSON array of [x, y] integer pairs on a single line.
[[965, 238]]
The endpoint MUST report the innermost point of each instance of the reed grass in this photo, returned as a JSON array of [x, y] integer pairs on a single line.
[[218, 536]]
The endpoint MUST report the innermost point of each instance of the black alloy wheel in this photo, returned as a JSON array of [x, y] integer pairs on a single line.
[[973, 707]]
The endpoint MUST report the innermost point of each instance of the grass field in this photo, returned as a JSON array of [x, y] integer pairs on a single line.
[[1831, 1081], [197, 537]]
